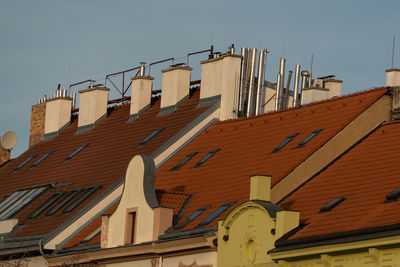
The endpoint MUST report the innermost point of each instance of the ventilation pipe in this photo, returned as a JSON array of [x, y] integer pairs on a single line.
[[304, 79], [243, 75], [286, 97], [251, 101], [142, 69], [296, 96], [260, 82], [278, 88]]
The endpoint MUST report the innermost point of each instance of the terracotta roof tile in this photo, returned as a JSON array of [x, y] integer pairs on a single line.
[[112, 143], [364, 176], [246, 146]]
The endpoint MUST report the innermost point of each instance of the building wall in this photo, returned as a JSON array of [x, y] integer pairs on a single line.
[[25, 262]]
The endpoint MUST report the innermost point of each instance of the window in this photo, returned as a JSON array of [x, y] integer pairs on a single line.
[[41, 159], [331, 204], [308, 138], [216, 213], [92, 235], [209, 155], [18, 201], [189, 219], [130, 227], [393, 196], [53, 198], [73, 154], [25, 162], [82, 197], [147, 139], [183, 162], [64, 200], [285, 142]]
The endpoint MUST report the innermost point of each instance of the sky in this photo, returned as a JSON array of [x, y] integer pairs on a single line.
[[47, 42]]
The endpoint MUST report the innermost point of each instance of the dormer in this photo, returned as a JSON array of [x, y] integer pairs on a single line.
[[141, 217]]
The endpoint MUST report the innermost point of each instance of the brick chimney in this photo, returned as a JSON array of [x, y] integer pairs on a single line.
[[175, 88], [38, 114], [4, 155], [220, 79], [57, 115], [141, 95], [92, 107]]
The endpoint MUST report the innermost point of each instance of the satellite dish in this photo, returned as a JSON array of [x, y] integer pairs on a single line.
[[8, 140]]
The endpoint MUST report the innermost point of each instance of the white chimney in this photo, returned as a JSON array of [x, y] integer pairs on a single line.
[[393, 77], [93, 103], [175, 88], [141, 95], [58, 115], [220, 78], [334, 87]]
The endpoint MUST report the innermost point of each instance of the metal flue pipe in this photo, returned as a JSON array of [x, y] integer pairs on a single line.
[[260, 82], [252, 91], [278, 88], [304, 79], [142, 69], [286, 97], [296, 97], [242, 88], [279, 91]]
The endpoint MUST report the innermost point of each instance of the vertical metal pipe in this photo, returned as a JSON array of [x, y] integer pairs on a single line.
[[142, 69], [282, 81], [296, 86], [278, 88], [73, 100], [252, 91], [242, 81], [260, 82], [286, 97]]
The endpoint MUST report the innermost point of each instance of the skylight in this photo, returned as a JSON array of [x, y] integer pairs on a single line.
[[64, 200], [53, 198], [204, 159], [393, 196], [25, 162], [19, 200], [331, 204], [183, 162], [82, 197], [216, 213], [73, 154], [193, 216], [285, 142], [41, 159], [147, 139], [308, 138]]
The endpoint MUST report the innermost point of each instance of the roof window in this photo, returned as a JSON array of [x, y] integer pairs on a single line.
[[216, 213], [25, 162], [92, 235], [73, 154], [18, 201], [148, 138], [331, 204], [193, 216], [64, 200], [308, 138], [393, 196], [183, 162], [41, 159], [49, 201], [285, 142], [204, 159], [82, 197]]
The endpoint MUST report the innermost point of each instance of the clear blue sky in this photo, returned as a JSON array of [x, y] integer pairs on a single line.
[[46, 42]]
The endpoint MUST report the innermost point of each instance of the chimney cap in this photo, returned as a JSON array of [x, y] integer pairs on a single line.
[[392, 69], [102, 88], [177, 68]]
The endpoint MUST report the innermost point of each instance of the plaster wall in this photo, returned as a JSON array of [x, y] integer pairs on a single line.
[[203, 259], [138, 263], [25, 262], [393, 77], [93, 105], [141, 93], [270, 98], [175, 85], [334, 87], [310, 95], [58, 114], [133, 197]]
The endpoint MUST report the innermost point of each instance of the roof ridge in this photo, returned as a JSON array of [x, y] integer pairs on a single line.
[[332, 99]]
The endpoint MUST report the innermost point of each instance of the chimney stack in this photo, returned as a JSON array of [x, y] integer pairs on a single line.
[[4, 155], [175, 88], [220, 78], [141, 95], [393, 77], [38, 113], [92, 107], [57, 115]]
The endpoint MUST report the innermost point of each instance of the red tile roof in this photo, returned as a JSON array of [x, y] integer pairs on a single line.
[[363, 176], [246, 146], [112, 143]]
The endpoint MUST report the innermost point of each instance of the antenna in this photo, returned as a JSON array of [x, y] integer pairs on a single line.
[[394, 40], [8, 140]]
